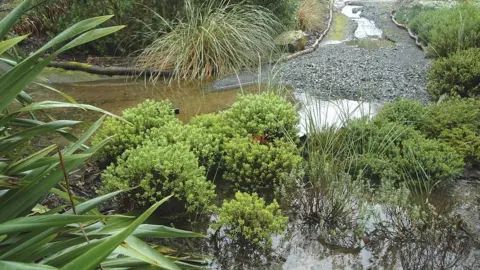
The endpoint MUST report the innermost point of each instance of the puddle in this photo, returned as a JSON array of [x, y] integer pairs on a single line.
[[323, 113], [365, 27], [370, 43], [116, 95]]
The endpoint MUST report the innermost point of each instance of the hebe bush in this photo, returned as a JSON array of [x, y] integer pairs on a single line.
[[247, 218], [457, 74], [207, 135], [147, 115], [159, 171], [267, 115], [253, 166]]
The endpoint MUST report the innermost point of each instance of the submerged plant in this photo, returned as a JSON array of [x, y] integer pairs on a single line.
[[248, 219], [214, 38]]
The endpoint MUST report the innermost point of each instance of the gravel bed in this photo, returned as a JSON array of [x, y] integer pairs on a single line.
[[340, 71]]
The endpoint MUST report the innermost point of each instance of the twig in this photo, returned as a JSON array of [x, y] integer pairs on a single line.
[[410, 33], [69, 191]]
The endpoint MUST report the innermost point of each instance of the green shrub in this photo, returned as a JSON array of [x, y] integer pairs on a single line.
[[248, 219], [215, 38], [458, 74], [159, 171], [396, 152], [456, 122], [405, 111], [147, 115], [252, 166], [447, 31], [207, 135], [266, 115]]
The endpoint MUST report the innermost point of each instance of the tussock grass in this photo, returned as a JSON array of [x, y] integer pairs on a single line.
[[311, 14], [215, 38]]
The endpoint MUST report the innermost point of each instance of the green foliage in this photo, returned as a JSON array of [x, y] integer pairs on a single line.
[[393, 151], [405, 111], [251, 165], [267, 115], [457, 74], [457, 123], [214, 38], [207, 135], [30, 240], [158, 171], [147, 115], [447, 31], [248, 219], [453, 121]]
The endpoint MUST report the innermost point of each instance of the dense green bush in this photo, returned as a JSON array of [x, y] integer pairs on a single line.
[[397, 152], [248, 219], [207, 135], [456, 122], [147, 115], [457, 74], [251, 165], [266, 115], [405, 111], [447, 31], [158, 171]]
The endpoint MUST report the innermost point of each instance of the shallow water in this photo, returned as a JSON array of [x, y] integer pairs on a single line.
[[323, 113], [116, 95], [365, 27]]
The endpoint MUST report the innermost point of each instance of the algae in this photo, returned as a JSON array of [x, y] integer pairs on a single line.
[[338, 30]]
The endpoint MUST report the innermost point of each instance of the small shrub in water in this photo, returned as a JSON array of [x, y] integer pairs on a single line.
[[159, 171], [147, 115], [457, 75], [207, 135], [248, 219], [266, 115], [253, 166]]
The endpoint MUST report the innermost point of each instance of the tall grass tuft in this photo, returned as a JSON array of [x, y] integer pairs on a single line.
[[215, 38], [312, 14]]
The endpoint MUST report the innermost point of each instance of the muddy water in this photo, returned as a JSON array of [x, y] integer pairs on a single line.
[[115, 95]]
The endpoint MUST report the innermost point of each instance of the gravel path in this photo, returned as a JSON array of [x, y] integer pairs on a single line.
[[350, 72], [341, 71]]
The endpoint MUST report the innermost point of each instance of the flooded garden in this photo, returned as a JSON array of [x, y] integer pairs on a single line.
[[357, 155]]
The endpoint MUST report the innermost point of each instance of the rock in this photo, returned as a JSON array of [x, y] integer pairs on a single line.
[[295, 40]]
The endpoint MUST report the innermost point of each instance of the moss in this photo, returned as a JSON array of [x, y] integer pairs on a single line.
[[59, 75], [338, 28]]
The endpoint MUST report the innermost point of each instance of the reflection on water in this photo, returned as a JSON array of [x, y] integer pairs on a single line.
[[115, 95]]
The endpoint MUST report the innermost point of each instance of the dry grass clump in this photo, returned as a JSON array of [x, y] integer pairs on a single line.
[[312, 14], [215, 38]]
